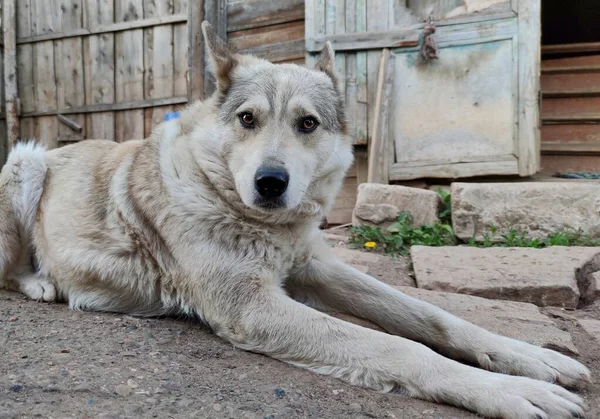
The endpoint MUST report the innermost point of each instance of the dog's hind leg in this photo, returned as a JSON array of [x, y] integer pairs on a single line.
[[326, 283], [21, 185]]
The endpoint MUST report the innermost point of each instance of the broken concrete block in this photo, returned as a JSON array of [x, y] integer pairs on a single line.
[[551, 276], [591, 326], [392, 271], [380, 205], [515, 320], [536, 208]]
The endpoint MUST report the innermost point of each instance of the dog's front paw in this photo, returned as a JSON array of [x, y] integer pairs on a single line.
[[514, 357], [520, 397], [37, 288]]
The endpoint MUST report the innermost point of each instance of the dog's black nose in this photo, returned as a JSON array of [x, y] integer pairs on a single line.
[[271, 182]]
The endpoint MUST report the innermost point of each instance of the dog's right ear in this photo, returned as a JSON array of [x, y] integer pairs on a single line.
[[222, 58]]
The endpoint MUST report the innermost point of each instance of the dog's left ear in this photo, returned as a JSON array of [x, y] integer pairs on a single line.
[[326, 62], [222, 58]]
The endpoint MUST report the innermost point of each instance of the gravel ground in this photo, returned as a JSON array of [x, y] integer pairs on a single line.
[[57, 364]]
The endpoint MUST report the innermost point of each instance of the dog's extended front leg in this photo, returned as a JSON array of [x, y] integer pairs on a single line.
[[269, 322], [327, 283]]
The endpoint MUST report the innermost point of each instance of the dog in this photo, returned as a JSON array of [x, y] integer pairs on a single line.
[[216, 216]]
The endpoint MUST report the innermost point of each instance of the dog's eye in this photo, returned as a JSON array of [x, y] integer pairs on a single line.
[[247, 119], [308, 124]]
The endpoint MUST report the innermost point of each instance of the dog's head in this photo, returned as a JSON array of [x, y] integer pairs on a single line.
[[283, 129]]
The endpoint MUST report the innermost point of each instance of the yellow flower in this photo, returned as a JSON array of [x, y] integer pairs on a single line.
[[370, 245]]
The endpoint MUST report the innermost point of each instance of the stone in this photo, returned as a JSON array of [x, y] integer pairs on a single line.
[[379, 205], [591, 326], [393, 271], [522, 321], [536, 208], [545, 277], [123, 390]]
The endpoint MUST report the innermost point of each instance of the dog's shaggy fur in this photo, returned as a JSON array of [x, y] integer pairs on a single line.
[[179, 223]]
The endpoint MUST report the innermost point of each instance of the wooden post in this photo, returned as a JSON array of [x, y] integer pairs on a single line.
[[379, 147], [196, 50], [9, 24]]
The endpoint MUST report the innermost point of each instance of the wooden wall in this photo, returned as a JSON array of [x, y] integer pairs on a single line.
[[113, 67]]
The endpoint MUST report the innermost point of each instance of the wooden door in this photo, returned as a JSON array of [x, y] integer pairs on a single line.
[[472, 111]]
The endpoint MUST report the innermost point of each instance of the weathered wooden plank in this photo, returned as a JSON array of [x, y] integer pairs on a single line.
[[252, 38], [99, 64], [129, 71], [552, 164], [571, 48], [158, 57], [571, 133], [45, 18], [180, 50], [196, 59], [23, 18], [68, 62], [282, 51], [116, 27], [105, 107], [377, 22], [214, 13], [46, 131], [571, 148], [570, 84], [379, 147], [572, 65], [250, 14], [454, 170], [25, 68], [361, 65], [11, 96], [315, 24], [365, 41], [577, 108]]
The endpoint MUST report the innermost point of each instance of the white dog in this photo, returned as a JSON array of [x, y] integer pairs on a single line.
[[216, 216]]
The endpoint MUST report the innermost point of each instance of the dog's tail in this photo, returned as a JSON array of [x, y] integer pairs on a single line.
[[21, 186]]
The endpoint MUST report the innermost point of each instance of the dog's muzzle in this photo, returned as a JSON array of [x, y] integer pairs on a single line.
[[271, 183]]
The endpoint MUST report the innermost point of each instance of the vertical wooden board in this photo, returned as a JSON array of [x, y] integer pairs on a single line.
[[180, 50], [315, 24], [23, 18], [44, 17], [529, 17], [25, 79], [3, 142], [129, 71], [339, 27], [68, 60], [361, 57], [100, 126], [196, 58], [27, 128], [158, 56], [99, 64], [350, 73], [362, 125], [9, 73], [376, 22], [46, 131]]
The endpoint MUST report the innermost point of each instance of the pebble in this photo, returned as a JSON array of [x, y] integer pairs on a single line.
[[355, 406], [13, 319], [51, 363], [132, 384], [217, 407], [123, 390], [279, 393], [16, 388], [151, 401]]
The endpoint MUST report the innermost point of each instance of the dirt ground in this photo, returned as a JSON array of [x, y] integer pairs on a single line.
[[56, 363]]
